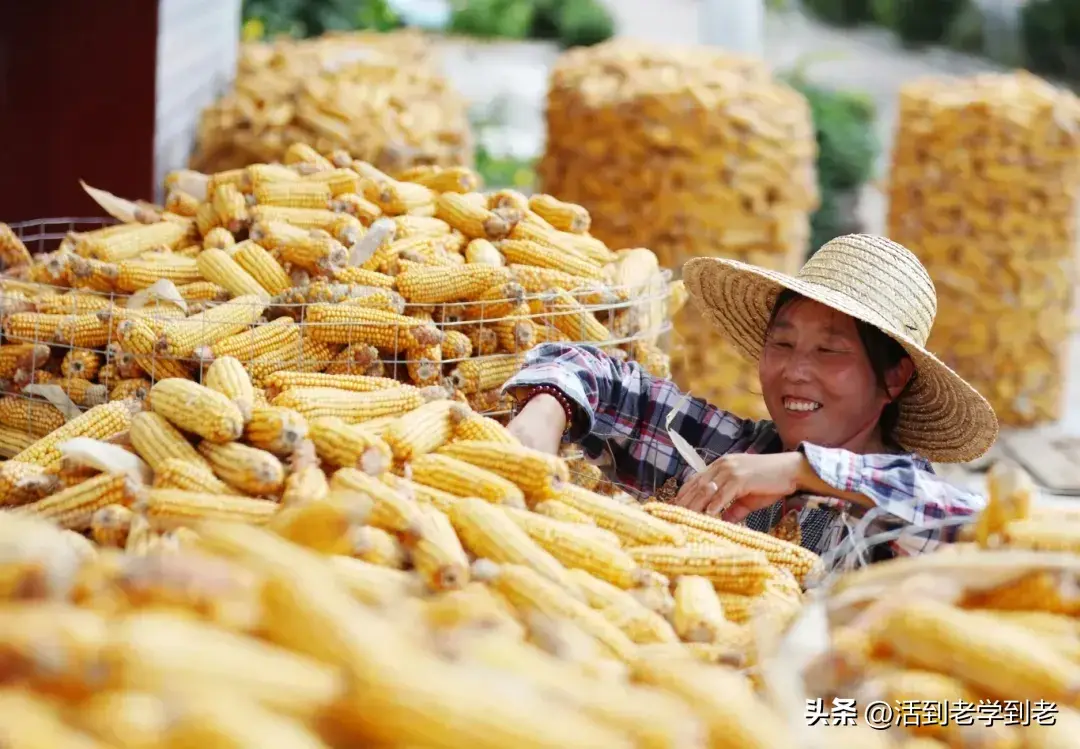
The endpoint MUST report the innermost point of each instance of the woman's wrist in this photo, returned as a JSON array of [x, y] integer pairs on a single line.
[[552, 404]]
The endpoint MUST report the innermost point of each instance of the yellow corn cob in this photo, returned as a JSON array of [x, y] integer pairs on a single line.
[[698, 616], [21, 483], [133, 242], [171, 508], [82, 331], [157, 441], [455, 346], [515, 332], [275, 234], [182, 337], [443, 179], [495, 302], [562, 216], [253, 342], [642, 625], [340, 181], [304, 158], [531, 591], [227, 376], [309, 356], [371, 584], [557, 510], [801, 562], [468, 425], [298, 194], [376, 546], [420, 431], [261, 266], [79, 364], [572, 319], [100, 422], [933, 635], [317, 253], [527, 252], [138, 339], [356, 205], [14, 441], [392, 511], [353, 324], [471, 218], [136, 387], [109, 525], [261, 174], [424, 365], [218, 267], [536, 280], [82, 392], [411, 226], [93, 275], [464, 480], [276, 430], [483, 252], [69, 303], [197, 409], [73, 507], [12, 250], [139, 273], [723, 698], [27, 357], [246, 468], [488, 532], [316, 402], [437, 554], [181, 203], [304, 219], [325, 526], [351, 446], [434, 285], [238, 178], [230, 207], [731, 569], [288, 380], [395, 197], [475, 375], [633, 526], [218, 238], [422, 493], [358, 275], [539, 475], [36, 418], [189, 476]]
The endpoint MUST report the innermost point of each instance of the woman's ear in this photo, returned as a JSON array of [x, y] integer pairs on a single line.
[[897, 378]]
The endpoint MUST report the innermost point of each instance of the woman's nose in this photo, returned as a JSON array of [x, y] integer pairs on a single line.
[[798, 367]]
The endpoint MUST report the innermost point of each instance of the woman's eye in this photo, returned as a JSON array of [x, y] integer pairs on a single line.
[[781, 344]]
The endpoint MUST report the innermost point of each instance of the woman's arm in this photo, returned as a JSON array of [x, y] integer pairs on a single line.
[[904, 486], [622, 410]]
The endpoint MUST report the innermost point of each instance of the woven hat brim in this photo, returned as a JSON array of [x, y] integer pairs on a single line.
[[942, 417]]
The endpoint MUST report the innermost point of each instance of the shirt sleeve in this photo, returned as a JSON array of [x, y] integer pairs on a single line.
[[622, 412], [904, 486]]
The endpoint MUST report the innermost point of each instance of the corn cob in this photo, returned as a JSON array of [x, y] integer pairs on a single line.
[[537, 474], [324, 526], [189, 476], [78, 363], [282, 381], [495, 302], [371, 584], [170, 508], [562, 216], [455, 346], [464, 480], [734, 570], [528, 252], [470, 426], [309, 356], [14, 441], [420, 431], [422, 493], [424, 365], [475, 375], [351, 324], [109, 526], [642, 625], [197, 409], [157, 441], [218, 238], [249, 344], [131, 243], [633, 526], [306, 481], [353, 407], [437, 554], [100, 422], [73, 507], [411, 226], [392, 510], [27, 357], [182, 337], [36, 418], [137, 339], [227, 376], [297, 194], [572, 319], [376, 546], [352, 446], [484, 343], [246, 468], [13, 252], [801, 562], [488, 532], [276, 430], [219, 267]]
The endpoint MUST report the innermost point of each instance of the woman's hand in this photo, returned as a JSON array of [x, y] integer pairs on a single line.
[[540, 424], [736, 485]]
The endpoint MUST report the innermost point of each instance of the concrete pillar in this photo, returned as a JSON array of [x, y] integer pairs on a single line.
[[734, 25]]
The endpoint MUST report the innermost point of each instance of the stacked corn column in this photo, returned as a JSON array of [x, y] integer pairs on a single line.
[[379, 96], [983, 189], [689, 152]]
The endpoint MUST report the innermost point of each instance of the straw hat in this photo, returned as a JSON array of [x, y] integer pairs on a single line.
[[881, 283]]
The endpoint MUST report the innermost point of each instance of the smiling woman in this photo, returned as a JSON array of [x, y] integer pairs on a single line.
[[859, 406]]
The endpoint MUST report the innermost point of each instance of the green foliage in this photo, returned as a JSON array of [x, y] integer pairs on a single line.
[[847, 150], [305, 18], [505, 171], [583, 23], [1051, 32], [510, 19], [840, 12], [918, 21]]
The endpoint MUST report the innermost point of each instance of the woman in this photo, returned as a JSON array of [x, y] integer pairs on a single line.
[[859, 407]]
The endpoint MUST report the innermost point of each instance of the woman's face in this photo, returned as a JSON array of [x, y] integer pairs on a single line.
[[817, 379]]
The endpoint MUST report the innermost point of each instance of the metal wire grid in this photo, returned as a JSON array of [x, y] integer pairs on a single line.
[[99, 344]]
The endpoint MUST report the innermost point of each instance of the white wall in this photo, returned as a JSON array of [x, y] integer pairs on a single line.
[[197, 48]]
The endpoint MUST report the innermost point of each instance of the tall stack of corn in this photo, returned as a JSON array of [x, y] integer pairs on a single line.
[[983, 189], [378, 96], [689, 152]]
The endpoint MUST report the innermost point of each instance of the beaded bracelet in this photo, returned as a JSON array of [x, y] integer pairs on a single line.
[[554, 392]]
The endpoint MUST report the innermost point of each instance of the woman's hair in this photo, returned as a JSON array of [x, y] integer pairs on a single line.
[[884, 354]]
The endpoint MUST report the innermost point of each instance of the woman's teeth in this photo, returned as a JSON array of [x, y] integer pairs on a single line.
[[793, 404]]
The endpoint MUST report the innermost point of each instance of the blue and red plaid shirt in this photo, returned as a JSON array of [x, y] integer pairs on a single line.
[[622, 425]]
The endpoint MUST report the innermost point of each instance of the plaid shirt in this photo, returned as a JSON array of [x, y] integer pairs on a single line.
[[622, 425]]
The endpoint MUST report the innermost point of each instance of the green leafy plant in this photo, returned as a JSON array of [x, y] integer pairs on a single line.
[[511, 19], [918, 21], [583, 23], [848, 148], [840, 12], [306, 18], [1051, 35]]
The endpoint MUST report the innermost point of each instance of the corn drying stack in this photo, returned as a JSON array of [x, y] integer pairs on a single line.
[[983, 189], [925, 635], [688, 152], [379, 96]]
